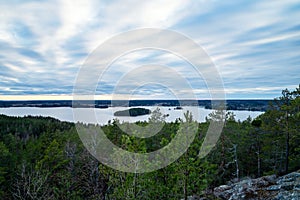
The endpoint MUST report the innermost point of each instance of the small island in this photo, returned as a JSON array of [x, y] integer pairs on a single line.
[[132, 112], [178, 108]]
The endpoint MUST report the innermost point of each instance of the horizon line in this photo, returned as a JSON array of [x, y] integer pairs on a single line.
[[200, 99]]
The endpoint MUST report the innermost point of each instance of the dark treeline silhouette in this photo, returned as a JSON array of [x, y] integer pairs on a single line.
[[251, 105]]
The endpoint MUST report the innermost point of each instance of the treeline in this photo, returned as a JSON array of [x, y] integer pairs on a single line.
[[43, 158], [233, 104]]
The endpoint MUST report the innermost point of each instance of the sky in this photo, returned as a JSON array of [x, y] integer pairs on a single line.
[[254, 45]]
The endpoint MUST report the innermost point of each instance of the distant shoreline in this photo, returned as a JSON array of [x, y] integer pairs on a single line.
[[243, 104]]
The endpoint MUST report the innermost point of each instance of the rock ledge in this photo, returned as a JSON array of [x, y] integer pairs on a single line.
[[264, 188]]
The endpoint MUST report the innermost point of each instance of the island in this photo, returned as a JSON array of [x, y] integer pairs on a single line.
[[132, 112], [178, 108]]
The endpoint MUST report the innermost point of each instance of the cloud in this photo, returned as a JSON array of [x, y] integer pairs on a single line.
[[254, 44]]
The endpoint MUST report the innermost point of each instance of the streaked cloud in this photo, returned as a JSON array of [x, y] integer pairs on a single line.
[[254, 44]]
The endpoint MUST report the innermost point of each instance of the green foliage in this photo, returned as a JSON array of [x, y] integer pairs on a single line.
[[5, 157], [281, 125], [43, 158]]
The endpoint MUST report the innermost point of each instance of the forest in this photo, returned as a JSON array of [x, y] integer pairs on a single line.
[[44, 158]]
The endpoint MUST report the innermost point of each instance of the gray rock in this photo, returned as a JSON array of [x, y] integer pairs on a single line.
[[226, 194], [287, 186], [261, 182], [224, 187], [270, 179], [223, 191], [287, 196], [297, 187], [264, 188], [289, 178], [273, 188]]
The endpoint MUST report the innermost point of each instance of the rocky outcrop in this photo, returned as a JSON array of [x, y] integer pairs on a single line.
[[264, 188]]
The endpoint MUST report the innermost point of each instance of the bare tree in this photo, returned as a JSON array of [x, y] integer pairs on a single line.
[[31, 184]]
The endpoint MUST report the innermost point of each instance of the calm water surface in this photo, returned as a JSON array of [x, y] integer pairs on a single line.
[[102, 116]]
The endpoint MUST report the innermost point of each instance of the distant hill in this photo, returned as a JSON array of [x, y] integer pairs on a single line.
[[251, 105]]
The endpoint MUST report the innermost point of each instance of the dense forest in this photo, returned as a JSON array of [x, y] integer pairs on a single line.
[[43, 158]]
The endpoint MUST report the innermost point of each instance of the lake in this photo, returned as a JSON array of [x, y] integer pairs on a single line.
[[102, 116]]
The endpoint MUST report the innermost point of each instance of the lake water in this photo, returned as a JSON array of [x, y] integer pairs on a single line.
[[102, 116]]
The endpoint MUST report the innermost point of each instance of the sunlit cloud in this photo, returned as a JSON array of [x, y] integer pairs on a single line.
[[255, 45]]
